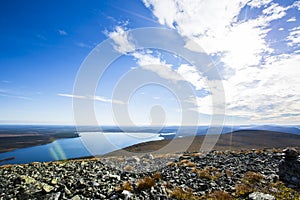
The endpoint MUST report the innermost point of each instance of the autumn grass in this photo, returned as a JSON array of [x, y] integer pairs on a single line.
[[210, 173], [219, 195], [183, 194], [145, 183]]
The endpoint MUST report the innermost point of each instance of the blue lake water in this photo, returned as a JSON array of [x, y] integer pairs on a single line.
[[88, 144], [99, 143]]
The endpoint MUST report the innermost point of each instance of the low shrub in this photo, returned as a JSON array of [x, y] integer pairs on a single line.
[[181, 194], [220, 195], [145, 183]]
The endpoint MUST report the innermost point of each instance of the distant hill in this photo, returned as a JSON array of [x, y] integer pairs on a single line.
[[237, 140]]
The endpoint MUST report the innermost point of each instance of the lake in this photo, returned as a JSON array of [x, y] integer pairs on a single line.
[[88, 144]]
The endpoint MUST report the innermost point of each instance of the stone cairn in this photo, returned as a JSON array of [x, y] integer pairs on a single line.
[[289, 168]]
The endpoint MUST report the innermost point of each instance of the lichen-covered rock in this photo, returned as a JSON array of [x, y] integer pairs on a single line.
[[260, 196], [47, 188]]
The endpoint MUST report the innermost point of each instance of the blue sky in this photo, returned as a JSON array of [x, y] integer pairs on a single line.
[[254, 44]]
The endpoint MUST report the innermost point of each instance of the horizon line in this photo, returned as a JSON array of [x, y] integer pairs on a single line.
[[140, 126]]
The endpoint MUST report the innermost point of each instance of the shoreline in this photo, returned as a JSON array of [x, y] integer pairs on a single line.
[[8, 144], [239, 140]]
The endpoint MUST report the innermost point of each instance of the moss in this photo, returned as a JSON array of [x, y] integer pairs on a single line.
[[280, 191], [250, 182], [243, 189], [252, 177], [253, 182]]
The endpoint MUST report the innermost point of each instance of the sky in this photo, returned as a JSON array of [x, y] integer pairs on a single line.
[[254, 46]]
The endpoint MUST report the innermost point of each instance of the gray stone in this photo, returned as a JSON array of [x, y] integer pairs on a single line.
[[260, 196], [67, 191], [290, 154], [148, 156], [127, 194], [76, 197], [47, 188], [133, 159], [115, 176], [56, 196]]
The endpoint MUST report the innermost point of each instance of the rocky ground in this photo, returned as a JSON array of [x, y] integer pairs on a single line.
[[254, 174]]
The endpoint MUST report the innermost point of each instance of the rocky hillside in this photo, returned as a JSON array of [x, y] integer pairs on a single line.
[[255, 174]]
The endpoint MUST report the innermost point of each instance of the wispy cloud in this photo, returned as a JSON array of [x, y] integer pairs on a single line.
[[294, 36], [42, 37], [8, 94], [62, 32], [6, 81], [103, 99], [96, 98], [156, 64], [123, 44], [71, 96], [292, 19], [83, 45]]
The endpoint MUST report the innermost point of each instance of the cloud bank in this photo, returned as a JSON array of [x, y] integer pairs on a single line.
[[259, 66]]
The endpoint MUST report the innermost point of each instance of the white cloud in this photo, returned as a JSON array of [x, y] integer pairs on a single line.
[[260, 86], [258, 3], [262, 94], [144, 59], [214, 26], [193, 46], [274, 11], [121, 40], [156, 65], [105, 100], [267, 92], [71, 96], [294, 36], [12, 94], [62, 32], [184, 72], [243, 45], [165, 9], [296, 4], [192, 75], [292, 19], [96, 98]]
